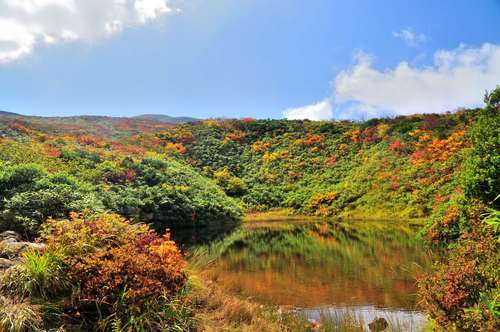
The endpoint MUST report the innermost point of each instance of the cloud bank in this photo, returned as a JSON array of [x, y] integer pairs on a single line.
[[319, 111], [25, 24], [456, 78]]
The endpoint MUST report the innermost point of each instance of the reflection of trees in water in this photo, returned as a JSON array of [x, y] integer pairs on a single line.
[[187, 238], [324, 262]]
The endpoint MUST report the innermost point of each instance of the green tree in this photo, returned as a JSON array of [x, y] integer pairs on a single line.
[[481, 177], [29, 195]]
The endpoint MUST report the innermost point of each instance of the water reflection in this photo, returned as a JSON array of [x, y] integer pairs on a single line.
[[368, 268], [402, 320], [189, 238]]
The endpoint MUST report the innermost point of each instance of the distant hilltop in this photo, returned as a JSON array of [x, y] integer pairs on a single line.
[[9, 113], [103, 126], [165, 118], [145, 117]]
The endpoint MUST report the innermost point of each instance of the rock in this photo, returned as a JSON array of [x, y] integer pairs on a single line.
[[13, 250], [379, 324], [10, 235], [6, 263], [9, 240], [314, 325], [36, 246]]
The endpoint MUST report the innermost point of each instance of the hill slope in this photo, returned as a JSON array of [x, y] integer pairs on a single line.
[[404, 167], [50, 167], [4, 113], [165, 118]]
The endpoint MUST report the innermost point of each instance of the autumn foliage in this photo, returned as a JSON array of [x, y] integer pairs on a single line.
[[458, 294], [113, 260], [113, 269]]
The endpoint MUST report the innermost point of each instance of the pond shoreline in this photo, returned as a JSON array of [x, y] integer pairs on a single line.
[[287, 214]]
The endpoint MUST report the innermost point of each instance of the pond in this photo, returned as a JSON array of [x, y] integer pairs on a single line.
[[360, 269]]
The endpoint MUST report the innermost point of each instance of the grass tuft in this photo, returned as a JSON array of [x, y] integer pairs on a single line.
[[19, 315], [38, 275]]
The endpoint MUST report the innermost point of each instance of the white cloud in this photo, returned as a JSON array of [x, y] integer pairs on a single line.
[[25, 24], [15, 40], [410, 37], [150, 9], [458, 78], [319, 111]]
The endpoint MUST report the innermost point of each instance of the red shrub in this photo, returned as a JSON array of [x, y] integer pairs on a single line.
[[454, 293], [89, 140], [115, 264], [396, 145]]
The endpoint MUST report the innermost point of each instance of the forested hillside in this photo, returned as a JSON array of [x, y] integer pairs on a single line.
[[404, 167], [50, 168]]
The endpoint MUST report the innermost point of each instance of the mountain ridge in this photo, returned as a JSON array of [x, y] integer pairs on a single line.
[[149, 117], [5, 113], [165, 118]]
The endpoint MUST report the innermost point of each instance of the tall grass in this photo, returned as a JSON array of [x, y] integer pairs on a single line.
[[168, 315], [38, 275], [19, 316]]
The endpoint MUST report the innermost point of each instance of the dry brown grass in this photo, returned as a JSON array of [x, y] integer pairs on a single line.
[[19, 315], [220, 311]]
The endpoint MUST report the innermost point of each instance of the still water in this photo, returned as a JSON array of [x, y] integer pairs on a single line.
[[362, 269]]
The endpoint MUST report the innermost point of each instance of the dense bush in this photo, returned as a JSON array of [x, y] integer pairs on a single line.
[[463, 292], [103, 272], [481, 177], [405, 167], [160, 191], [29, 195], [167, 193]]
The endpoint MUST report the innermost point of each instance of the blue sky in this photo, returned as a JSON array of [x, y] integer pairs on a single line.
[[318, 59]]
